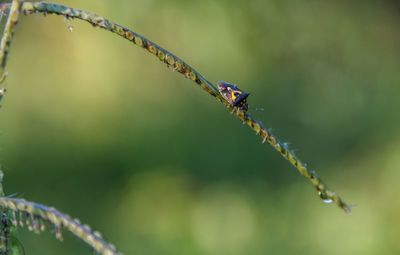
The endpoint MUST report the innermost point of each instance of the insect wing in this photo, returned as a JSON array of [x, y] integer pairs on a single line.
[[241, 99], [226, 91], [233, 94]]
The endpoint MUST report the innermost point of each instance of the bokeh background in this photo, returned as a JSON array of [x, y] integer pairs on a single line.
[[103, 131]]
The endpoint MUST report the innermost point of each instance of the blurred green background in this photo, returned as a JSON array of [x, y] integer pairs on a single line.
[[103, 131]]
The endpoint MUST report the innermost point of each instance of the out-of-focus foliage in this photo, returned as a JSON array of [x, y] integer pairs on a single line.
[[103, 131]]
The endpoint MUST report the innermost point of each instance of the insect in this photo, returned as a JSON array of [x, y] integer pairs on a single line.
[[233, 95]]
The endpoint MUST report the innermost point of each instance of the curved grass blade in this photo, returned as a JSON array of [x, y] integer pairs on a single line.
[[34, 216], [8, 33], [180, 66]]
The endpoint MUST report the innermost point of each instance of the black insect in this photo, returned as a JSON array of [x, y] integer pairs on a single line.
[[233, 95]]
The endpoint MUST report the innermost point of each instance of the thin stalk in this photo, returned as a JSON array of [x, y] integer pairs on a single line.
[[9, 243], [180, 66], [35, 216], [8, 33]]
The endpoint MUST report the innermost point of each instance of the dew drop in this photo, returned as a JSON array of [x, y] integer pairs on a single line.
[[328, 201], [324, 197]]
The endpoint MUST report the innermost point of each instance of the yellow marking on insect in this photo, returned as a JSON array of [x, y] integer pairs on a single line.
[[236, 94]]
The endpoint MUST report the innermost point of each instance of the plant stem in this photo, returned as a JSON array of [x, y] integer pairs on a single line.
[[35, 216], [180, 66]]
